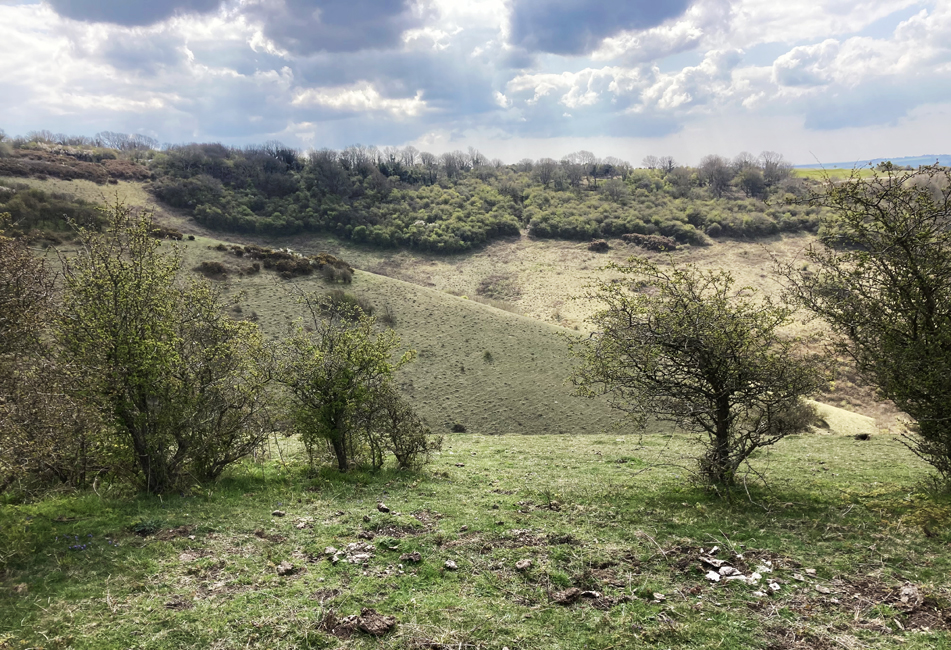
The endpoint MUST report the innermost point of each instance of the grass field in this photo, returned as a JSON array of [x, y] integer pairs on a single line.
[[832, 173], [858, 553], [557, 541]]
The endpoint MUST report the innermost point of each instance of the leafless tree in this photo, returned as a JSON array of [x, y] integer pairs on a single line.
[[431, 164], [410, 156], [775, 167], [716, 173], [545, 170]]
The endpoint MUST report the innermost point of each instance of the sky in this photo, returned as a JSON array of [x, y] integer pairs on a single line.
[[815, 80]]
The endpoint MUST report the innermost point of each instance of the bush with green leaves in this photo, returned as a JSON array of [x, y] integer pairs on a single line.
[[338, 372], [687, 346], [45, 437], [179, 384], [881, 278]]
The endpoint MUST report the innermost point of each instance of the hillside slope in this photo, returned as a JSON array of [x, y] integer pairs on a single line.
[[490, 370], [523, 389]]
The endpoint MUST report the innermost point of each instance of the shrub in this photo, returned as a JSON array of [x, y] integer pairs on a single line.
[[388, 318], [392, 426], [178, 384], [880, 278], [458, 428], [212, 269], [339, 373], [349, 305], [598, 246], [651, 242], [696, 352]]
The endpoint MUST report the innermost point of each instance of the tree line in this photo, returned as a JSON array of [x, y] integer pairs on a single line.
[[460, 200], [405, 198]]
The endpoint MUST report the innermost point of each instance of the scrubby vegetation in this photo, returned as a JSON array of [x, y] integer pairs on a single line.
[[400, 198], [36, 213], [137, 377], [403, 198], [136, 373]]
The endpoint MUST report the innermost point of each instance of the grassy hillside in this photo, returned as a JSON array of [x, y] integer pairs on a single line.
[[540, 279], [563, 541], [488, 369]]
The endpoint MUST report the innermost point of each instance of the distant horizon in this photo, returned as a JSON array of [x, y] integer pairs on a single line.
[[812, 80], [914, 161]]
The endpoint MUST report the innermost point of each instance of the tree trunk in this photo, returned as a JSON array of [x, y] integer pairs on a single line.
[[720, 471], [339, 443]]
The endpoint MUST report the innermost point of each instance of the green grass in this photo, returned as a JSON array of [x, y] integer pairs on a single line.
[[598, 512], [592, 512], [521, 389], [834, 174]]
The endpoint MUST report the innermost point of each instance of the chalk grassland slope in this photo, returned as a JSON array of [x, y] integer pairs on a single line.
[[535, 278], [490, 370]]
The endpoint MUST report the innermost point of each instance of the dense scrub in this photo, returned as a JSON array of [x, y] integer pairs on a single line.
[[33, 209], [455, 202], [459, 202]]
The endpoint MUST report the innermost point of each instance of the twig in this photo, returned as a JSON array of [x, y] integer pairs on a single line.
[[641, 533]]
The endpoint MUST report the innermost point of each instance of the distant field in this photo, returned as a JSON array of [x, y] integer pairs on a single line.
[[832, 173]]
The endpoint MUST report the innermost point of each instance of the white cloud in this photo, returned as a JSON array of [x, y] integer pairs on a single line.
[[584, 88], [695, 85], [807, 65], [226, 75], [360, 97], [793, 21]]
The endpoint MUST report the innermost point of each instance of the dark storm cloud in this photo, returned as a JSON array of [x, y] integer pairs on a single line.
[[578, 26], [128, 12], [307, 26]]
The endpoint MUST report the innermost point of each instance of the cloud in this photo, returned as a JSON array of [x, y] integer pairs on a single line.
[[332, 72], [577, 26], [698, 27], [308, 26], [695, 85], [127, 12], [359, 98], [806, 65]]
